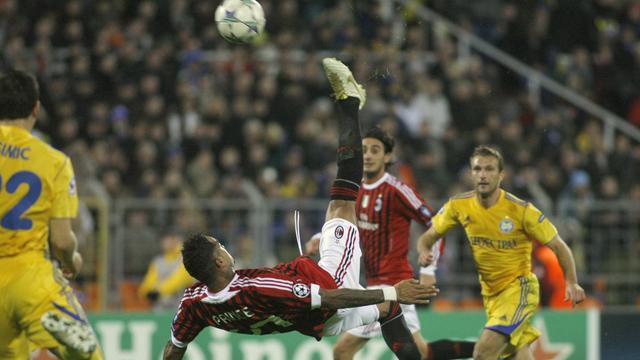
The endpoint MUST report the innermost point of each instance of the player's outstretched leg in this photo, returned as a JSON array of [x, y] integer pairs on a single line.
[[350, 97]]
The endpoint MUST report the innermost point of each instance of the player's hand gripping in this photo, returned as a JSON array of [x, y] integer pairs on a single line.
[[574, 293], [410, 291], [426, 257], [70, 271]]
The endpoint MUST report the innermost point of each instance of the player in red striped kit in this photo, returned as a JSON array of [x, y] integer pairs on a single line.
[[385, 208], [315, 299]]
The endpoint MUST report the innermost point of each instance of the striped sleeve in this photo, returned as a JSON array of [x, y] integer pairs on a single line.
[[414, 206], [280, 291], [186, 325]]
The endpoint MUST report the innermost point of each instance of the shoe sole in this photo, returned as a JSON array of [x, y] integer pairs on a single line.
[[341, 78], [71, 333]]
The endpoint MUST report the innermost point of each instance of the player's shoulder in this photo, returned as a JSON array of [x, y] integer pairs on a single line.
[[463, 196], [399, 186], [514, 199], [394, 182], [43, 150], [194, 292]]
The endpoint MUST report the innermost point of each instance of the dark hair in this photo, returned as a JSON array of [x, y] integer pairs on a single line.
[[18, 95], [377, 133], [486, 150], [197, 256]]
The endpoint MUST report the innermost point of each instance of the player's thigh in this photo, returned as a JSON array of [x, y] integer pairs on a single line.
[[510, 313], [351, 318], [49, 292], [348, 345], [340, 252], [13, 345]]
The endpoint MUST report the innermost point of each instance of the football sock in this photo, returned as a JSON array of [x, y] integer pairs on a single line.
[[347, 182], [397, 335], [450, 349]]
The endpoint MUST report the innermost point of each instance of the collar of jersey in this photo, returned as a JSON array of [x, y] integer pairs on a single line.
[[222, 295], [377, 183], [17, 130]]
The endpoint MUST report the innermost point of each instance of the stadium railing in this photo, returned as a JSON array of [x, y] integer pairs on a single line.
[[603, 235]]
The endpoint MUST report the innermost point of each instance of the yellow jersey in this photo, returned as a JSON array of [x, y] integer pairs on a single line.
[[36, 185], [500, 236]]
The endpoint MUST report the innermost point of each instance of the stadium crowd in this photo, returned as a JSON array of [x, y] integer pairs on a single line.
[[151, 103]]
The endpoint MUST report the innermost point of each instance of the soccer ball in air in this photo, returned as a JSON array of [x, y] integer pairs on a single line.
[[240, 21]]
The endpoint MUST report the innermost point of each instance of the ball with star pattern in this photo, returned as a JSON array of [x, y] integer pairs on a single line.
[[240, 21]]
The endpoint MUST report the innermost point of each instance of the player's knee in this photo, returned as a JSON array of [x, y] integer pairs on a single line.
[[482, 352]]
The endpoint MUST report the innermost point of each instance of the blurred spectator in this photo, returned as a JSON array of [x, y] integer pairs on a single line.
[[166, 276]]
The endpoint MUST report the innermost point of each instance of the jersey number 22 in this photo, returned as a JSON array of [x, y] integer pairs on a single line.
[[12, 219]]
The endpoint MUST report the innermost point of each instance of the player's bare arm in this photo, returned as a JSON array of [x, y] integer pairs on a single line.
[[408, 292], [64, 246], [172, 352], [425, 243], [573, 291]]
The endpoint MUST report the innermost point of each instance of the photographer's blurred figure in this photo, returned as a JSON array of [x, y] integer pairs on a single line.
[[166, 276]]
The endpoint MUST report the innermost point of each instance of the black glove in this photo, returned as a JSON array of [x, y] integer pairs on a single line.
[[153, 296]]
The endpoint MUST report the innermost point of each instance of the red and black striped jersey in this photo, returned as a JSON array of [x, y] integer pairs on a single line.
[[257, 301], [385, 210]]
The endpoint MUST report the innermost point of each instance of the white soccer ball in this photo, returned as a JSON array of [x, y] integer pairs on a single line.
[[240, 21]]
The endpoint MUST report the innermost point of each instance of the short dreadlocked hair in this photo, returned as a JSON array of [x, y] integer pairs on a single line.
[[377, 133], [197, 256]]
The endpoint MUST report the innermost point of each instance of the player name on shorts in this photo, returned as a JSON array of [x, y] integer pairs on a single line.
[[229, 316], [14, 152], [493, 244]]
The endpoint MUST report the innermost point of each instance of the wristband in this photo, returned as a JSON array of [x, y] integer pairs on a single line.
[[390, 294]]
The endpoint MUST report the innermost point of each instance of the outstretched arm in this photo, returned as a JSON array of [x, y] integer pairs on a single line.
[[405, 292], [425, 242], [172, 352], [573, 291]]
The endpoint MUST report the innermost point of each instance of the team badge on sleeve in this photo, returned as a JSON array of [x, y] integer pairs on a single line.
[[301, 290], [425, 211], [72, 186], [339, 232]]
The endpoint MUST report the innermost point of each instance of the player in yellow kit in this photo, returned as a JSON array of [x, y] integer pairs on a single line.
[[37, 202], [500, 229]]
